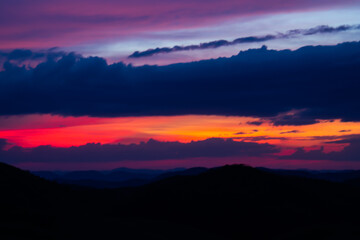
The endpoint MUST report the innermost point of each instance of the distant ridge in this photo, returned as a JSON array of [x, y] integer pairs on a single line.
[[116, 178]]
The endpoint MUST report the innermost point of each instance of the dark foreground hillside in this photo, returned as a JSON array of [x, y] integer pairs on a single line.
[[231, 202]]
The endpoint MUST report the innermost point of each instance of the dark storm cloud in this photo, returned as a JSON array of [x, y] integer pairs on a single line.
[[151, 150], [349, 153], [250, 39], [307, 84]]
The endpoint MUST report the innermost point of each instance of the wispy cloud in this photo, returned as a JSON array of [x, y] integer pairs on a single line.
[[291, 131], [249, 39], [351, 152]]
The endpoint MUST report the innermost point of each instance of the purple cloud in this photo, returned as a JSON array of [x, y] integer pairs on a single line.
[[145, 151]]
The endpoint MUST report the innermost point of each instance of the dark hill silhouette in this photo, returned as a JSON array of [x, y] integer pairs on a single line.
[[353, 182], [329, 175], [103, 184], [239, 201], [116, 178], [127, 177], [230, 202], [49, 175], [16, 184], [186, 172], [144, 171], [27, 203], [81, 175]]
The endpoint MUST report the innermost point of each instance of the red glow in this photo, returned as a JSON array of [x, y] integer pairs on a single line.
[[35, 130]]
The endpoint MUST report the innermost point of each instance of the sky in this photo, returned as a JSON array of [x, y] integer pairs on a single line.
[[164, 84]]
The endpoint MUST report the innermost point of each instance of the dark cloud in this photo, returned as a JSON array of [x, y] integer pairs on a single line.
[[201, 46], [332, 138], [250, 39], [328, 29], [19, 56], [349, 153], [256, 123], [261, 138], [292, 131], [239, 133], [293, 118], [151, 150], [346, 139], [345, 130], [321, 81]]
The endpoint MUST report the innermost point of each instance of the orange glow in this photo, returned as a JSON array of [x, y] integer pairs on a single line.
[[35, 130]]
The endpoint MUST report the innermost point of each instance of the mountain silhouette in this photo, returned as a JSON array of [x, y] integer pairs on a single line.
[[230, 202], [329, 175], [186, 172], [116, 178]]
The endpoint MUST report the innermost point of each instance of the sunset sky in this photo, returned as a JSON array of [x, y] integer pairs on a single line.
[[92, 84]]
